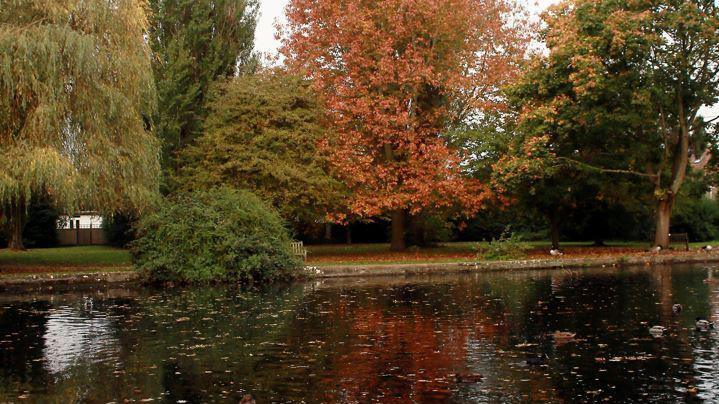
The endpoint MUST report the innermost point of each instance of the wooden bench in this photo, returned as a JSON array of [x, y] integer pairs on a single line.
[[298, 249], [682, 238]]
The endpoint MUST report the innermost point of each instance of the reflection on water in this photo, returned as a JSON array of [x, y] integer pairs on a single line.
[[463, 338], [73, 335]]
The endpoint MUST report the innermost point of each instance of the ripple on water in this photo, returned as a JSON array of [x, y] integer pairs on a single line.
[[74, 335]]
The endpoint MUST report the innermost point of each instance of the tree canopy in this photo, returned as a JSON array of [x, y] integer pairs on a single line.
[[261, 134], [76, 88], [619, 95], [394, 76]]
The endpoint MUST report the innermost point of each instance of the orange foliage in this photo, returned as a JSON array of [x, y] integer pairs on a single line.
[[394, 75]]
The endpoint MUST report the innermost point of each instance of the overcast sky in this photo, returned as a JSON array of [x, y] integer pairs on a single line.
[[273, 10]]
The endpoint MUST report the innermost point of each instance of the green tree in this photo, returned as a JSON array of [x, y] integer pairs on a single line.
[[75, 84], [262, 134], [619, 93], [195, 43]]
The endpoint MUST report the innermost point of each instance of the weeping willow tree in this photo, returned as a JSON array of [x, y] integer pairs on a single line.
[[75, 85]]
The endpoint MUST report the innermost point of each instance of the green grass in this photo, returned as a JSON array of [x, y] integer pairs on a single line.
[[379, 253], [99, 256], [339, 249], [103, 256], [390, 262], [377, 248]]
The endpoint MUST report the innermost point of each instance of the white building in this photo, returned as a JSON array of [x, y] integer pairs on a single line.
[[81, 220]]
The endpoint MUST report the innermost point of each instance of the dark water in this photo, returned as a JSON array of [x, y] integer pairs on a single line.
[[375, 340]]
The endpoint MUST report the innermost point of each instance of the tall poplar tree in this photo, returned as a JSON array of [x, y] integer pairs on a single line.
[[75, 84], [195, 43]]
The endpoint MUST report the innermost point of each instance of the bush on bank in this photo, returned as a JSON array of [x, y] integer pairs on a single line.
[[221, 235]]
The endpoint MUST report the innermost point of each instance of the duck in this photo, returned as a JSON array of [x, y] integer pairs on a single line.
[[563, 335], [247, 399], [658, 331], [556, 252], [677, 308], [707, 248], [539, 360], [655, 249], [467, 377], [704, 325], [87, 303]]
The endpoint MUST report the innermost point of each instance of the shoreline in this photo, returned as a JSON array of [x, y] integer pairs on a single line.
[[101, 278], [348, 271]]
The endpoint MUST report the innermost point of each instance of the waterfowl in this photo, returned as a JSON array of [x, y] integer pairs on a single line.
[[555, 252], [247, 399], [655, 249], [467, 377], [677, 308], [707, 248], [563, 335], [539, 360], [658, 331], [704, 325]]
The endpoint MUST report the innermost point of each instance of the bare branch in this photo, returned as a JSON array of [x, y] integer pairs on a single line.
[[590, 167]]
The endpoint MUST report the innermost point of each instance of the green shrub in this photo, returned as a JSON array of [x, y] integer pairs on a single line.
[[221, 235], [697, 217], [508, 246]]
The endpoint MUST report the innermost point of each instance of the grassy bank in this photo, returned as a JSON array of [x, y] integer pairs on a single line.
[[65, 257], [90, 258], [365, 254]]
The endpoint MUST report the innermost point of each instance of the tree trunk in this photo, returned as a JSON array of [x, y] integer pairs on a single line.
[[348, 234], [554, 228], [680, 162], [16, 221], [399, 218], [662, 219], [328, 231]]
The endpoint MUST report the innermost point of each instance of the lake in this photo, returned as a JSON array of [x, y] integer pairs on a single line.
[[460, 338]]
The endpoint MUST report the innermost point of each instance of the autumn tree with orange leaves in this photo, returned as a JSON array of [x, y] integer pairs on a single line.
[[395, 75]]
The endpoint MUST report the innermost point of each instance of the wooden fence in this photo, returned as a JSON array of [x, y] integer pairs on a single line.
[[81, 236]]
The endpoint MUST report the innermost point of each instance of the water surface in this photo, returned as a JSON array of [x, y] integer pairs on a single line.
[[463, 338]]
